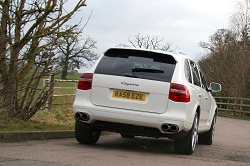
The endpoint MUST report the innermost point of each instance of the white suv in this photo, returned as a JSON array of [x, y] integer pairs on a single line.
[[140, 92]]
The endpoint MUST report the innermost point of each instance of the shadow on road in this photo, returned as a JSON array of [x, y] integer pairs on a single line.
[[137, 144]]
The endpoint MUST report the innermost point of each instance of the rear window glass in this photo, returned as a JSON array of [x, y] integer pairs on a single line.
[[137, 64]]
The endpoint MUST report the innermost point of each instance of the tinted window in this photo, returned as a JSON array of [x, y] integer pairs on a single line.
[[195, 72], [188, 71], [138, 64], [203, 80]]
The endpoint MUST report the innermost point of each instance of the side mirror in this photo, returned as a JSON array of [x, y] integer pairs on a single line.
[[214, 87]]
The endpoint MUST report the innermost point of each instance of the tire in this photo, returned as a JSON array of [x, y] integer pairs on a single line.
[[127, 135], [187, 144], [86, 135], [208, 137]]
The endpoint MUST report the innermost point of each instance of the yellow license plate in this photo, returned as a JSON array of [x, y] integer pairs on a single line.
[[129, 95]]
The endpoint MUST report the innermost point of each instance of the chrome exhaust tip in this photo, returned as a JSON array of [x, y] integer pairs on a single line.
[[169, 127], [82, 116]]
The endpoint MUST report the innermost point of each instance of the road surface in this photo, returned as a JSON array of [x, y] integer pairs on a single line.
[[231, 147]]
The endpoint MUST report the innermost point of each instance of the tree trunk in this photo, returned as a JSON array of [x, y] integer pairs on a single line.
[[65, 70], [10, 96]]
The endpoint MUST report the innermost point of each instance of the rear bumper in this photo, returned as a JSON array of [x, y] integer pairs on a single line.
[[131, 122], [132, 129]]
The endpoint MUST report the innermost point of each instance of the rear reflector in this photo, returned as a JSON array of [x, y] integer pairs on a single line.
[[179, 93], [85, 81]]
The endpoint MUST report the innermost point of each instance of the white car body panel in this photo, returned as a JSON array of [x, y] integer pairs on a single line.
[[156, 98]]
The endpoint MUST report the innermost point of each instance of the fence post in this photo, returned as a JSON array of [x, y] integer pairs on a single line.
[[241, 103], [235, 107], [228, 107], [51, 90], [220, 106], [45, 105]]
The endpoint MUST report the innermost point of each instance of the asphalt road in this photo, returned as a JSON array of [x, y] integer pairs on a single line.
[[231, 147]]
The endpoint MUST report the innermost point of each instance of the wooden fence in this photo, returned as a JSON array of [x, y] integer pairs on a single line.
[[233, 106], [61, 95]]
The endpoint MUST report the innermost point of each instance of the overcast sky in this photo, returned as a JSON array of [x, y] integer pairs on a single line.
[[182, 22]]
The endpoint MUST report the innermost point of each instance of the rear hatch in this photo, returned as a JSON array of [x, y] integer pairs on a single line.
[[133, 79]]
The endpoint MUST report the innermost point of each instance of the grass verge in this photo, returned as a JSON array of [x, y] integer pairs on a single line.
[[42, 121]]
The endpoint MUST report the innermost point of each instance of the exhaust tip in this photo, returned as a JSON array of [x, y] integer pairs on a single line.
[[77, 115], [174, 128], [169, 127], [82, 116], [165, 127]]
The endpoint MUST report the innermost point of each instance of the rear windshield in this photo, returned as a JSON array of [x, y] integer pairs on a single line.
[[137, 64]]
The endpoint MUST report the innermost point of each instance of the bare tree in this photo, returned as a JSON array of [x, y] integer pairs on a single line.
[[227, 59], [150, 42], [76, 52], [29, 28], [216, 63], [240, 19], [227, 63]]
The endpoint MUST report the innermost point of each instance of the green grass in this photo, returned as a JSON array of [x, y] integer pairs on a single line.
[[70, 76], [33, 126], [61, 119], [65, 84]]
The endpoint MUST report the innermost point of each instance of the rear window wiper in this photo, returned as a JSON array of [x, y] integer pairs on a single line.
[[136, 69]]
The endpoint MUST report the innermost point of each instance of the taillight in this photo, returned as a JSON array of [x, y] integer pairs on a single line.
[[179, 93], [85, 81]]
